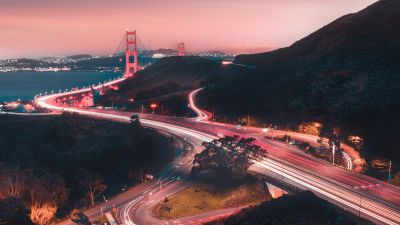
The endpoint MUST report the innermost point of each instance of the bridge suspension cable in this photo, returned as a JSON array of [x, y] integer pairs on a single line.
[[123, 49], [119, 49]]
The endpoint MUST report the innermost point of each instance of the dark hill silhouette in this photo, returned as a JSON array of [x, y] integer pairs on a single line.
[[345, 74], [81, 56], [186, 72], [370, 30]]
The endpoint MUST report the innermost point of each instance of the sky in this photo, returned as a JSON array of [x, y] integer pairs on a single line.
[[38, 28]]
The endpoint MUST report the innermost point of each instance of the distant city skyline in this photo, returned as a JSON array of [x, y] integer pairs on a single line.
[[40, 28]]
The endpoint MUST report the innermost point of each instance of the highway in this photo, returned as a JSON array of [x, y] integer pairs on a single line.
[[173, 178], [360, 194]]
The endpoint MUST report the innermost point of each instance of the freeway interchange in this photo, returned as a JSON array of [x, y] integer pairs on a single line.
[[360, 194]]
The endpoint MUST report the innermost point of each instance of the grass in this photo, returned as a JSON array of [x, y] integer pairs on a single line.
[[209, 194]]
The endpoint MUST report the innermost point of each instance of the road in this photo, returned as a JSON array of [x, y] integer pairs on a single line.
[[360, 194]]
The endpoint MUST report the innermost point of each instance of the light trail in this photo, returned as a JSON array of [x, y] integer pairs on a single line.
[[392, 217], [374, 206]]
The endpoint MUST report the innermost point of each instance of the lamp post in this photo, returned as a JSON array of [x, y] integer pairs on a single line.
[[153, 106], [333, 153], [389, 171], [359, 207]]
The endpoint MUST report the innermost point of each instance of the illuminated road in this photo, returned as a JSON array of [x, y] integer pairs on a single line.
[[360, 194]]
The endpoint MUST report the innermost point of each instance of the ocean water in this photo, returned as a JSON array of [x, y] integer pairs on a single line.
[[25, 85]]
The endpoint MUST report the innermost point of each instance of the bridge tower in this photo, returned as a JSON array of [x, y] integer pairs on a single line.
[[131, 54], [181, 49]]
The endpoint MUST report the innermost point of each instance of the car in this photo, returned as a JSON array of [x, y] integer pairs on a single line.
[[135, 119]]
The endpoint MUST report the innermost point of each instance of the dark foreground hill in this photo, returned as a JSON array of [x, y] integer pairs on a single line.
[[301, 209], [346, 74], [53, 159]]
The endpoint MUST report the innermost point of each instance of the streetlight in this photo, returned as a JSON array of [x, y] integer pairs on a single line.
[[359, 208], [153, 106], [389, 172]]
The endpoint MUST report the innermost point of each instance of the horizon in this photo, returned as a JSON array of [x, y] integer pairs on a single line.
[[71, 27]]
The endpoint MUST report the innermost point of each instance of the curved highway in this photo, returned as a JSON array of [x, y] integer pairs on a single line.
[[360, 194]]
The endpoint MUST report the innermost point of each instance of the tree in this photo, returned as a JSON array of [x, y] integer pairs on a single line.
[[14, 212], [79, 218], [42, 214], [46, 188], [12, 181], [93, 184], [230, 156]]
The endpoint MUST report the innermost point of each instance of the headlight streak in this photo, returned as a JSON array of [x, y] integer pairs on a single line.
[[318, 184]]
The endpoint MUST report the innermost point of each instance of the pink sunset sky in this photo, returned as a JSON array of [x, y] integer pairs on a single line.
[[36, 28]]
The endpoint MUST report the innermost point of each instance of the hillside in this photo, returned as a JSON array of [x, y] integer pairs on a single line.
[[303, 208], [78, 57], [345, 75], [55, 155], [189, 72], [172, 77]]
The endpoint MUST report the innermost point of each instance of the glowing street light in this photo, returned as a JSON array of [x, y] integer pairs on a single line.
[[153, 106]]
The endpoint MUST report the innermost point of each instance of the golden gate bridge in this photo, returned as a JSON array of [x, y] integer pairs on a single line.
[[132, 42], [129, 46]]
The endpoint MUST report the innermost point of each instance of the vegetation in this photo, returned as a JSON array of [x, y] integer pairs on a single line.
[[164, 89], [55, 164], [302, 208], [79, 217], [13, 211], [228, 156], [222, 179], [213, 192]]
